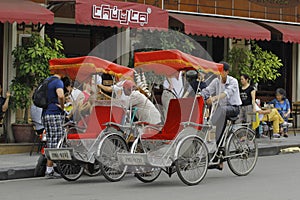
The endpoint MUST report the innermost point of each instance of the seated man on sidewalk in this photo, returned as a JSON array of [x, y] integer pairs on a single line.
[[272, 115]]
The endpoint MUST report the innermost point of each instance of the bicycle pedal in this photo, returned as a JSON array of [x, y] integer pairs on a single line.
[[221, 151]]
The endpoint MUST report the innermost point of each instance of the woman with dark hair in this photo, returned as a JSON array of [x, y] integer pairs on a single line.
[[282, 104], [194, 77], [247, 94]]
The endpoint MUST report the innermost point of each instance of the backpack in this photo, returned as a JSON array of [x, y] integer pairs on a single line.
[[40, 95]]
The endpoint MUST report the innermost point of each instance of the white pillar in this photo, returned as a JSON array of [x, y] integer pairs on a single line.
[[123, 46], [296, 71], [9, 72]]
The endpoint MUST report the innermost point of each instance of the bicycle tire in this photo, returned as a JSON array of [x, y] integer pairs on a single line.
[[111, 168], [69, 171], [192, 160], [93, 169], [242, 151], [149, 174]]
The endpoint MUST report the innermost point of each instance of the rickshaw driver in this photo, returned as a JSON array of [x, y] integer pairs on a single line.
[[226, 89]]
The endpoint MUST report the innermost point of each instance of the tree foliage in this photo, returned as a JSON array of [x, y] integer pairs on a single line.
[[162, 40], [260, 65], [159, 40], [31, 63]]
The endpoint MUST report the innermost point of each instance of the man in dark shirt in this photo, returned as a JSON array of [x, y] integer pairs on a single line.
[[53, 119]]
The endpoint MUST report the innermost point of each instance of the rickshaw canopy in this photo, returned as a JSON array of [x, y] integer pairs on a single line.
[[175, 60], [81, 68]]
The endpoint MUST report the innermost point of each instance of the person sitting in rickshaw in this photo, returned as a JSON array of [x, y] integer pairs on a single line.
[[146, 110], [68, 104]]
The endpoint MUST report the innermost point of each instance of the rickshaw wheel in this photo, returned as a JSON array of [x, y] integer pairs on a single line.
[[192, 160], [93, 169], [242, 150], [149, 174], [40, 167], [69, 171], [111, 168]]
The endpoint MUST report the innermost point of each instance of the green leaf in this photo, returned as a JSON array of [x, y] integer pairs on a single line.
[[31, 63], [258, 64]]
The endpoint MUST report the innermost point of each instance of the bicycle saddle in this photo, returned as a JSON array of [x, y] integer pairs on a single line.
[[233, 119]]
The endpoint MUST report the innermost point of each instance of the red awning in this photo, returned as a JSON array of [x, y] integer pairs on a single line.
[[120, 14], [290, 33], [24, 11], [220, 27]]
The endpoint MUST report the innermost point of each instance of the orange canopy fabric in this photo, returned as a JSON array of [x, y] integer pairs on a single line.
[[169, 62], [81, 68]]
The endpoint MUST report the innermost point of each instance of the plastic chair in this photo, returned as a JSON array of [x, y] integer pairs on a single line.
[[268, 128], [295, 112], [292, 120]]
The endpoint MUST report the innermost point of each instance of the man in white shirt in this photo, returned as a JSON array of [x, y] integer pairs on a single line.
[[175, 87], [225, 90]]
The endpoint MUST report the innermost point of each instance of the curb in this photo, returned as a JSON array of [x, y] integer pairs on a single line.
[[276, 149], [17, 173]]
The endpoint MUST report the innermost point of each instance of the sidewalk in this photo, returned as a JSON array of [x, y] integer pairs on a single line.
[[15, 166]]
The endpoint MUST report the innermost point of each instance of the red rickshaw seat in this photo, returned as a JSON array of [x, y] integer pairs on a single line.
[[96, 120], [179, 111]]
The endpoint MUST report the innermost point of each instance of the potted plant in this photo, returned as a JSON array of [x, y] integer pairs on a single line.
[[31, 63], [258, 64]]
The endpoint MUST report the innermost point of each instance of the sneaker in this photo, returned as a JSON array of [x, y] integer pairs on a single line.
[[52, 175], [276, 135], [285, 124]]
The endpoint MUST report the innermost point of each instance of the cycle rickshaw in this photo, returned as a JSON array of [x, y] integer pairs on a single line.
[[181, 144], [77, 150]]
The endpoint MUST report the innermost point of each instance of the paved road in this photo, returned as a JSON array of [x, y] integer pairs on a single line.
[[275, 177]]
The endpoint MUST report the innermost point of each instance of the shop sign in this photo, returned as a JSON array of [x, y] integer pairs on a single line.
[[120, 14]]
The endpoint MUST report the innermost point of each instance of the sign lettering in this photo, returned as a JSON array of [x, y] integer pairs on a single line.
[[60, 155], [124, 17]]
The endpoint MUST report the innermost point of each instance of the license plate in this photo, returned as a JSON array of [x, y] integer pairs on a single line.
[[132, 159], [60, 155]]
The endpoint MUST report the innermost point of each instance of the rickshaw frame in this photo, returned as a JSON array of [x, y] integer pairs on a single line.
[[75, 162], [180, 162]]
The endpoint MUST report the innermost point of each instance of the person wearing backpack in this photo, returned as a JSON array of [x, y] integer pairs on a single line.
[[53, 118]]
